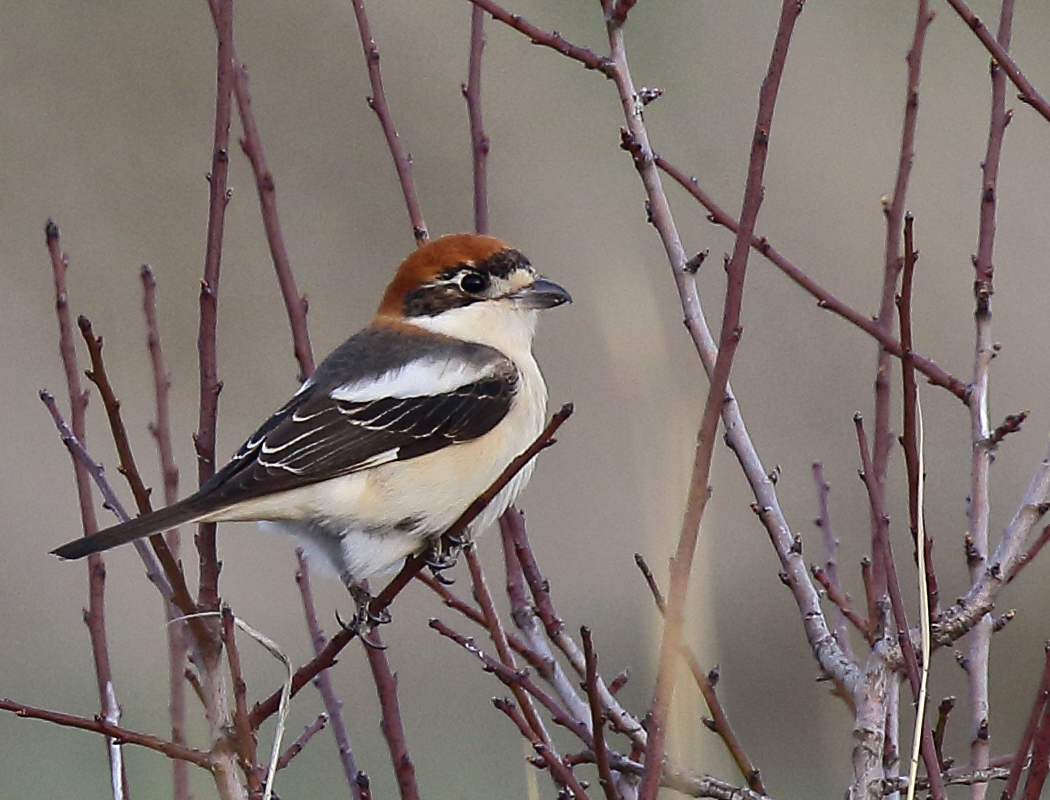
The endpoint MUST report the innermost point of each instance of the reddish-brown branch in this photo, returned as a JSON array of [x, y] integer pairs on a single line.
[[377, 102], [499, 639], [218, 199], [824, 298], [559, 771], [699, 491], [118, 734], [590, 685], [1039, 704], [160, 428], [719, 721], [95, 614], [323, 680], [297, 746], [551, 39], [390, 722], [1030, 553], [512, 526], [1039, 767], [174, 588], [295, 304], [1028, 93], [479, 142], [843, 606], [242, 735]]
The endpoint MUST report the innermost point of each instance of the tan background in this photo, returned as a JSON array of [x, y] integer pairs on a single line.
[[105, 125]]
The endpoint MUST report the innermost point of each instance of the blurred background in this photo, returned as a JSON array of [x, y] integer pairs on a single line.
[[106, 115]]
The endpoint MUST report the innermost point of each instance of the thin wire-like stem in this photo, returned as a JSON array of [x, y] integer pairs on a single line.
[[377, 102]]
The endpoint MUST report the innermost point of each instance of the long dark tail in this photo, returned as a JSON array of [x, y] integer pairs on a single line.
[[188, 510]]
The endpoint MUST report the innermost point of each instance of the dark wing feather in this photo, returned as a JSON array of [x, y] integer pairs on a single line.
[[315, 437]]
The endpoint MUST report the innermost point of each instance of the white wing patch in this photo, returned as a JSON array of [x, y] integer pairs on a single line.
[[424, 377]]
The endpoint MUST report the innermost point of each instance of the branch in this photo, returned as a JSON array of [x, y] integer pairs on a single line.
[[825, 300], [696, 502], [377, 102], [115, 732], [479, 142], [210, 386], [1028, 93], [323, 680], [95, 613]]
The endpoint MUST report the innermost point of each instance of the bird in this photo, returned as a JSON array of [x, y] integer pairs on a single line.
[[400, 428]]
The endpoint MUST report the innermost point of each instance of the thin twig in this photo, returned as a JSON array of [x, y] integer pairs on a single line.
[[499, 639], [160, 429], [243, 737], [719, 721], [377, 102], [295, 304], [1028, 93], [825, 299], [551, 39], [699, 491], [95, 614], [390, 722], [1020, 758], [297, 746], [590, 684], [174, 587], [115, 732], [561, 773], [479, 142], [831, 562], [323, 680], [1030, 553], [210, 386]]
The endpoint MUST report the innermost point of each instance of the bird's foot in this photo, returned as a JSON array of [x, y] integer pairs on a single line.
[[442, 555], [364, 621]]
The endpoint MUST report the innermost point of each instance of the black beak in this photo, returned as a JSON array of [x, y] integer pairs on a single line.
[[543, 294]]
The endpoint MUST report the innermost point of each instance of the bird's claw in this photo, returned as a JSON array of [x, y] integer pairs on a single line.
[[364, 621]]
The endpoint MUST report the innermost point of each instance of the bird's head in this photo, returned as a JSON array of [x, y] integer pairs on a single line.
[[470, 287]]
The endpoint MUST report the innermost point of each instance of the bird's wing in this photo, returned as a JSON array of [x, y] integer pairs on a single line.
[[404, 412]]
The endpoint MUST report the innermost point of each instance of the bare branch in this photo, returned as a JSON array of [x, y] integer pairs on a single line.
[[377, 102], [115, 732]]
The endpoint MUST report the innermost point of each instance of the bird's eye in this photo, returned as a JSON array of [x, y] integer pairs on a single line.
[[474, 282]]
